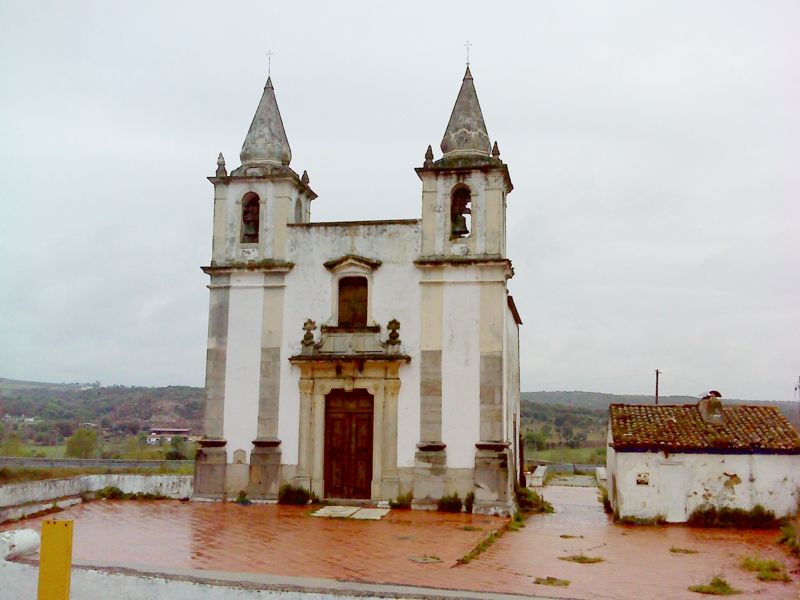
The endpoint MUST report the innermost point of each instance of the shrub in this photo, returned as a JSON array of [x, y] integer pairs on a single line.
[[403, 501], [450, 503], [112, 493], [291, 494], [790, 536], [716, 587], [469, 502], [241, 498], [733, 518], [530, 502]]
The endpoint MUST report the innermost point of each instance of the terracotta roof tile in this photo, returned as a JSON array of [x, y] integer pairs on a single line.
[[745, 430]]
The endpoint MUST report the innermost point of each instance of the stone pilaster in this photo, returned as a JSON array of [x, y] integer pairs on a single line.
[[265, 470], [210, 469], [304, 457], [216, 355], [493, 480]]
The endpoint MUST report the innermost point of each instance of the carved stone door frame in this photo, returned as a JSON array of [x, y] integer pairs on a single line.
[[318, 377]]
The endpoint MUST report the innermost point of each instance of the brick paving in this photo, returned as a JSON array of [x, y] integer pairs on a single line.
[[400, 548]]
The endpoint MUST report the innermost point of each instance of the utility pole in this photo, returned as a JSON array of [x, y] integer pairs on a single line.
[[657, 374]]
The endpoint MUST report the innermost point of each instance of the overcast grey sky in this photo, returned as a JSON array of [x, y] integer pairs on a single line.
[[653, 147]]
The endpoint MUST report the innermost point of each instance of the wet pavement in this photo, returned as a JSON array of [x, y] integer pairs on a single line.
[[421, 548]]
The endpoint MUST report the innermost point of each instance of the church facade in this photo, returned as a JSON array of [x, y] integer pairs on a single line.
[[362, 359]]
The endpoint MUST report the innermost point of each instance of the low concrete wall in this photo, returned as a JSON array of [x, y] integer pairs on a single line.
[[21, 499], [19, 580]]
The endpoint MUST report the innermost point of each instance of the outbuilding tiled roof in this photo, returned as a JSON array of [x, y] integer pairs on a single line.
[[745, 430]]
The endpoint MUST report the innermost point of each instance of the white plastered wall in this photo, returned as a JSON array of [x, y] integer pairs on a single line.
[[242, 368], [511, 391], [461, 366], [732, 480], [394, 295]]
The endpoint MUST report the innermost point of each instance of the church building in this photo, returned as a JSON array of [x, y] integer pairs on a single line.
[[362, 359]]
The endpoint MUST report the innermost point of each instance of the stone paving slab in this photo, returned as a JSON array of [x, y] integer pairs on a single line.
[[336, 512], [370, 514]]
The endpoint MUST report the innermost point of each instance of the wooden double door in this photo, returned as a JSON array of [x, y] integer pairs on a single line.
[[348, 444]]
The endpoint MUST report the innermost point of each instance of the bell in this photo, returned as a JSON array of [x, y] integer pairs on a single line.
[[459, 228]]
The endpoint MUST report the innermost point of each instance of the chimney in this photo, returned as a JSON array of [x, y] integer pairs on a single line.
[[710, 407]]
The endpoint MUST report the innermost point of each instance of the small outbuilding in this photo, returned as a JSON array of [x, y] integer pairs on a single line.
[[665, 461]]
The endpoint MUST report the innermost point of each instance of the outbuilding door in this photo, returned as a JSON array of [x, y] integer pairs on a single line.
[[672, 492], [348, 444]]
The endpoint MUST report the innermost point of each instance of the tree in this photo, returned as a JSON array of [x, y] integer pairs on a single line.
[[178, 449], [82, 444]]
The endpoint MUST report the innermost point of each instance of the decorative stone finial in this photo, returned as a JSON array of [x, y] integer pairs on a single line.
[[466, 131], [394, 337], [308, 338], [429, 156], [266, 141], [221, 170], [304, 178], [495, 151]]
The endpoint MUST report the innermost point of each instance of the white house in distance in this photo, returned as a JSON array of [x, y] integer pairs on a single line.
[[666, 461], [362, 359]]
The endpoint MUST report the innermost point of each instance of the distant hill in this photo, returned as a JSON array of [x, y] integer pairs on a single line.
[[596, 400], [115, 407]]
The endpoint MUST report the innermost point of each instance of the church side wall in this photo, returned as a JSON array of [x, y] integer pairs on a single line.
[[394, 293], [652, 484], [512, 385]]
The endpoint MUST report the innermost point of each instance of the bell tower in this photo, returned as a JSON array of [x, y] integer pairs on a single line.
[[253, 206], [465, 433]]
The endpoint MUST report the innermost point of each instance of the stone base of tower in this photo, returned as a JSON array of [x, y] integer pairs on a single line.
[[265, 470], [210, 467], [430, 476], [494, 478]]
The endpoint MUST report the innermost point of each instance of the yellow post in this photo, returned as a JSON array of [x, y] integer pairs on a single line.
[[55, 560]]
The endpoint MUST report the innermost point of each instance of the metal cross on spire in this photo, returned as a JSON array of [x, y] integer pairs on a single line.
[[467, 45], [270, 54]]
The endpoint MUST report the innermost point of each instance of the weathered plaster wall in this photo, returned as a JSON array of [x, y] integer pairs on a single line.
[[394, 293], [679, 483], [461, 368], [243, 367]]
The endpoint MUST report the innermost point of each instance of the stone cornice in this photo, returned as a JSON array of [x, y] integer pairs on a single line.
[[279, 266]]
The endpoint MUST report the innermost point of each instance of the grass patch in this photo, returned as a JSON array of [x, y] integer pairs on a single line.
[[716, 587], [734, 518], [768, 569], [602, 498], [25, 474], [482, 546], [677, 550], [581, 559], [584, 456], [657, 520], [554, 581], [471, 528], [569, 536]]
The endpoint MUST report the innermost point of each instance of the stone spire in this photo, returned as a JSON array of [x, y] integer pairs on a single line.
[[466, 132], [266, 141]]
